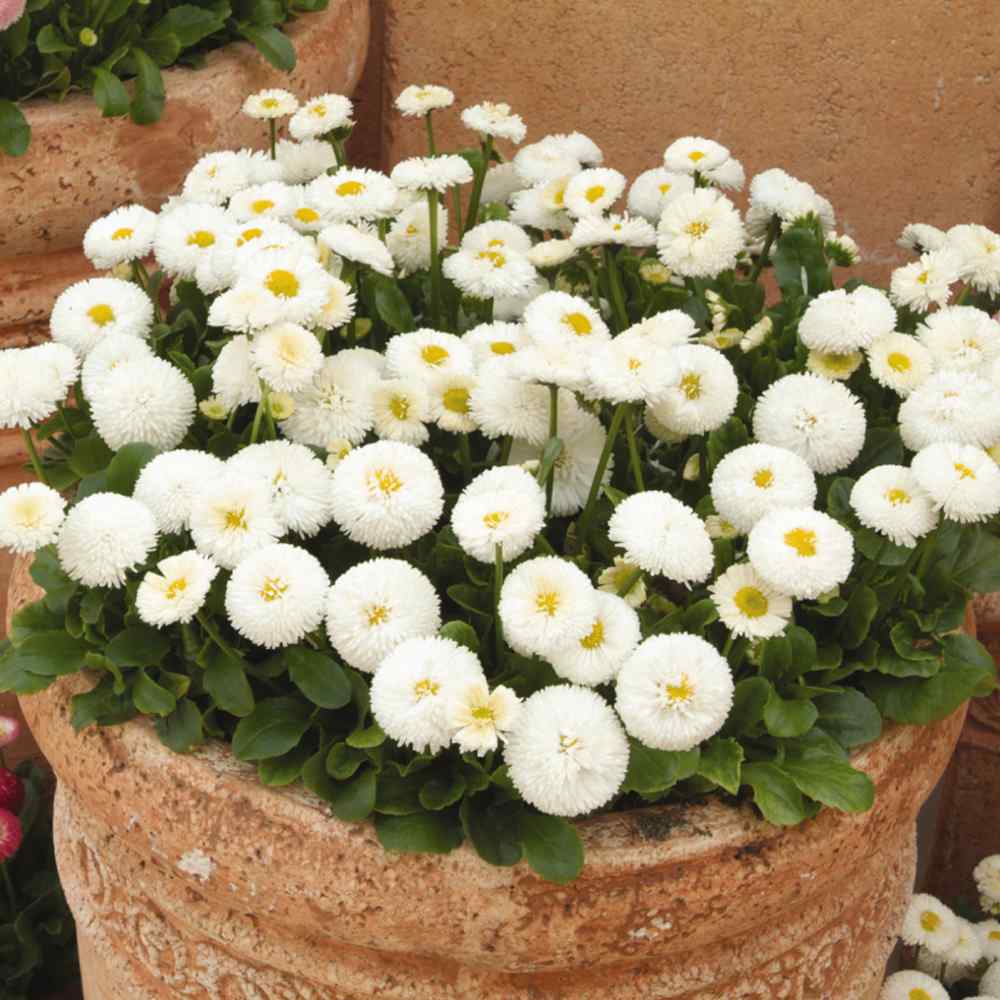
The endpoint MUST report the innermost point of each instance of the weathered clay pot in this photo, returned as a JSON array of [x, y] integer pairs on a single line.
[[190, 879]]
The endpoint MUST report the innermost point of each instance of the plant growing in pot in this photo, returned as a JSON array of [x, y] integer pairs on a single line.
[[474, 540]]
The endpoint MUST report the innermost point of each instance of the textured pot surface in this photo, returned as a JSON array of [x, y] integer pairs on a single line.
[[80, 165], [190, 879]]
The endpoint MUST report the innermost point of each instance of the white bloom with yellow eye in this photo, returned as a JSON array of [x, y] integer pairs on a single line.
[[187, 234], [408, 239], [233, 516], [415, 686], [351, 194], [495, 342], [287, 356], [31, 515], [961, 479], [631, 368], [755, 479], [270, 104], [303, 216], [294, 287], [965, 952], [496, 120], [836, 367], [321, 114], [702, 393], [801, 552], [480, 717], [950, 406], [104, 537], [358, 244], [559, 318], [654, 189], [176, 590], [748, 605], [926, 282], [503, 406], [911, 985], [169, 485], [961, 338], [593, 191], [988, 932], [620, 573], [662, 535], [421, 99], [612, 230], [567, 753], [899, 362], [700, 234], [121, 236], [694, 153], [90, 310], [598, 656], [448, 394], [34, 381], [928, 923], [978, 249], [302, 162], [273, 200], [674, 692], [496, 235], [490, 274], [542, 207], [339, 304], [402, 410], [431, 173], [888, 499], [425, 353], [216, 177]]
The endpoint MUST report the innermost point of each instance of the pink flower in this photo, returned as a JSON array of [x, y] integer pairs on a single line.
[[10, 11], [10, 835], [10, 728], [11, 791]]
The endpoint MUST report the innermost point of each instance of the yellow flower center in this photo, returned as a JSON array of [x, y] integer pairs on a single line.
[[261, 205], [691, 385], [411, 230], [497, 259], [502, 347], [930, 921], [579, 323], [594, 193], [751, 602], [547, 602], [483, 713], [201, 238], [559, 196], [282, 283], [763, 479], [680, 692], [348, 189], [123, 234], [101, 314], [839, 362], [425, 689], [696, 229], [494, 519], [964, 472], [306, 214], [634, 364], [899, 362], [918, 994], [249, 234], [665, 187], [28, 512], [923, 277], [896, 496], [377, 614], [387, 481], [274, 589], [270, 103], [236, 519], [434, 354], [802, 540], [567, 743], [497, 243], [695, 155], [399, 406], [456, 400], [596, 637], [175, 588], [318, 110], [994, 935]]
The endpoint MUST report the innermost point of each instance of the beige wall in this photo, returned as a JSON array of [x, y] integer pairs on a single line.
[[891, 108]]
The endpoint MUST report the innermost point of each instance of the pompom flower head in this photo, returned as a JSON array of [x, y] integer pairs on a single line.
[[10, 835], [888, 499], [31, 515], [700, 234], [962, 481], [232, 516], [170, 482], [33, 382], [912, 985], [92, 309], [597, 657]]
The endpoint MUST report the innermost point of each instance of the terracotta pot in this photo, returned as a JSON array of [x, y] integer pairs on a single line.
[[188, 878]]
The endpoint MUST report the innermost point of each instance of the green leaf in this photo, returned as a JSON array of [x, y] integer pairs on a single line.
[[50, 654], [47, 572], [442, 791], [849, 717], [101, 705], [32, 618], [803, 649], [462, 633], [319, 677], [125, 467], [749, 698], [721, 761], [273, 728], [977, 560], [150, 698], [276, 772], [138, 646], [49, 41], [904, 637], [776, 657], [342, 761], [651, 771], [226, 681], [800, 251], [862, 606], [492, 830], [367, 739], [834, 783], [474, 599], [889, 662], [730, 436], [90, 455], [109, 93], [190, 24], [392, 306], [788, 718], [354, 799], [838, 500], [181, 731], [419, 833], [552, 847], [149, 95], [550, 454], [775, 794], [272, 45], [15, 132], [883, 446]]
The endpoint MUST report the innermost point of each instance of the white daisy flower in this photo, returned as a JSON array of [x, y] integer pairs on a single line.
[[542, 207], [987, 877], [339, 304], [693, 153], [110, 352], [612, 579], [170, 483], [415, 686], [90, 310], [425, 353], [801, 552], [354, 193], [448, 396], [631, 368], [480, 717], [748, 605], [836, 367], [408, 239], [581, 147], [821, 421], [618, 230], [911, 985], [376, 605], [961, 479], [176, 590], [146, 400], [729, 175], [840, 322], [507, 309], [988, 932], [31, 515], [233, 516], [674, 692], [273, 200], [300, 483], [654, 189], [888, 499], [490, 274], [702, 391], [978, 249], [104, 537], [302, 162], [672, 328], [234, 378], [502, 181], [597, 657], [33, 382], [187, 234], [551, 253], [216, 177], [775, 193], [504, 406], [546, 604], [338, 403], [422, 99], [287, 356], [700, 234], [950, 406], [567, 753], [320, 115], [401, 409], [961, 338], [662, 535], [271, 103], [121, 236], [593, 191], [758, 478], [920, 238], [926, 282], [386, 495], [497, 235], [431, 173], [495, 120], [294, 286], [575, 466], [989, 985], [495, 341], [277, 595], [967, 949], [556, 317], [544, 161], [899, 362], [508, 515], [359, 245]]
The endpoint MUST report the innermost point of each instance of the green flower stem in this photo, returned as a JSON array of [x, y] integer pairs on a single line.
[[477, 184], [211, 631], [962, 295], [36, 462], [11, 894], [633, 449], [273, 128], [264, 406], [497, 587], [432, 225], [728, 645], [617, 291], [595, 289], [630, 581], [773, 228], [602, 464], [550, 479], [430, 134], [457, 203], [466, 455], [505, 445], [918, 559]]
